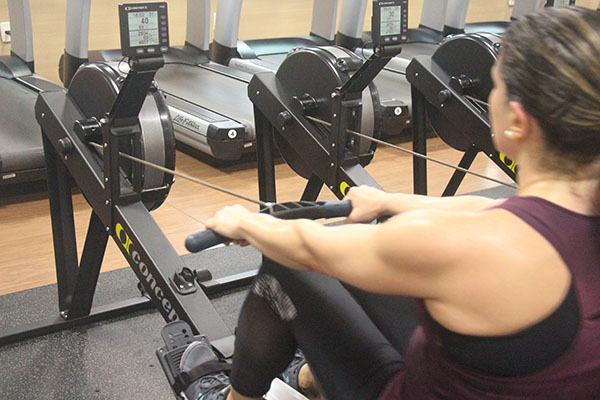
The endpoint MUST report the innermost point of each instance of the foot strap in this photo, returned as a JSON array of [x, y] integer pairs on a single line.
[[185, 379]]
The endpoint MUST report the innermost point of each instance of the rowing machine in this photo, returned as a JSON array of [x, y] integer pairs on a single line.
[[452, 93], [121, 116], [177, 336], [326, 84]]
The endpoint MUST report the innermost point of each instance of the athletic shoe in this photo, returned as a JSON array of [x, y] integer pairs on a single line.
[[290, 375], [212, 386]]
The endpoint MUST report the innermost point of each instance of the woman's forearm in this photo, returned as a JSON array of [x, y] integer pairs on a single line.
[[282, 241]]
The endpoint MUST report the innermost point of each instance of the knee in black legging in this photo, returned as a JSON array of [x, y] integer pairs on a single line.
[[264, 345], [270, 290]]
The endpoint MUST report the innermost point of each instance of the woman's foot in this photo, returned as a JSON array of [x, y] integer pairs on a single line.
[[299, 376], [213, 383]]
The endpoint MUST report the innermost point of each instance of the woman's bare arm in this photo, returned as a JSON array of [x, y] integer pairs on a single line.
[[409, 255], [370, 203]]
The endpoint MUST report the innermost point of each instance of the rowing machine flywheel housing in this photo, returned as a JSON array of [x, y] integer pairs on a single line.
[[465, 61], [94, 88], [311, 75]]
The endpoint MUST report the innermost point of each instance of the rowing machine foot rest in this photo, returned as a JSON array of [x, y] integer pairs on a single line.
[[177, 335]]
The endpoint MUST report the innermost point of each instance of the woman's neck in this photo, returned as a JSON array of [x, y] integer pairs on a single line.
[[576, 193]]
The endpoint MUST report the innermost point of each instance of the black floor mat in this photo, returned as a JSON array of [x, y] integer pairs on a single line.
[[113, 359]]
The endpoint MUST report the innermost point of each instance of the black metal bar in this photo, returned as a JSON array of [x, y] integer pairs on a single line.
[[353, 175], [56, 113], [63, 225], [236, 281], [312, 189], [89, 269], [366, 73], [458, 176], [419, 141], [44, 327], [264, 156], [137, 167], [132, 95], [339, 124], [155, 262], [272, 98]]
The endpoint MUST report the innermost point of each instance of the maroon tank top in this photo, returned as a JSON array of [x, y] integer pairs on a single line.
[[574, 375]]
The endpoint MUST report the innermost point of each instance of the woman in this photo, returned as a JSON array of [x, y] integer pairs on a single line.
[[509, 291]]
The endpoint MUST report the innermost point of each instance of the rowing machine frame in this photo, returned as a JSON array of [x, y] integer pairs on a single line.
[[333, 164]]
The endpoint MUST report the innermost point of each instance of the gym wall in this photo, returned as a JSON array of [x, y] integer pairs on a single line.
[[258, 21]]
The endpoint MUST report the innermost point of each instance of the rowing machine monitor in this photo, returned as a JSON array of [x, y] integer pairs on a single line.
[[144, 29], [389, 22]]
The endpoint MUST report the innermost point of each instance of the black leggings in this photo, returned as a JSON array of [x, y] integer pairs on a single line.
[[353, 340]]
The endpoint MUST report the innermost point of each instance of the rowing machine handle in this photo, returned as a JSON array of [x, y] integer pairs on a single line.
[[292, 210]]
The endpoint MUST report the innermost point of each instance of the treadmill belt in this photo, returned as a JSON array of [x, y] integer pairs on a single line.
[[273, 60], [20, 134], [219, 93]]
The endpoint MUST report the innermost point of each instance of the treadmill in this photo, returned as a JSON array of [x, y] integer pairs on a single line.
[[21, 151], [208, 102], [521, 8], [265, 55]]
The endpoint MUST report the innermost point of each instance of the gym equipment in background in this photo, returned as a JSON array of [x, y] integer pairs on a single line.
[[263, 55], [21, 152], [450, 89], [423, 40], [521, 8], [102, 107], [266, 55], [207, 101], [114, 138], [313, 86], [392, 86]]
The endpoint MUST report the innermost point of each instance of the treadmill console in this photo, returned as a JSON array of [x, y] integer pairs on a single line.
[[144, 29], [389, 22], [559, 3]]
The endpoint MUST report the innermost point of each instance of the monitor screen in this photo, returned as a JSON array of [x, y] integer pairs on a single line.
[[143, 28], [562, 3], [391, 20]]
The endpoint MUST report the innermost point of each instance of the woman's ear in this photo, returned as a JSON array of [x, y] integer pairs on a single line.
[[520, 121]]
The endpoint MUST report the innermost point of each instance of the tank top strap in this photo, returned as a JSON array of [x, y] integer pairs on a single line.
[[576, 237]]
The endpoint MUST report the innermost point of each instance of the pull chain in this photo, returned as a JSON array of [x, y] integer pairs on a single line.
[[187, 177], [382, 142]]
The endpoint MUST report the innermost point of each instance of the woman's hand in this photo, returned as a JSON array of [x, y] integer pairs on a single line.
[[368, 204], [228, 222]]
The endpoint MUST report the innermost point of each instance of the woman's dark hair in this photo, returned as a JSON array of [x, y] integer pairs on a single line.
[[550, 62]]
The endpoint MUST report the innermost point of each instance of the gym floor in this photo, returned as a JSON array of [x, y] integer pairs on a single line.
[[26, 255]]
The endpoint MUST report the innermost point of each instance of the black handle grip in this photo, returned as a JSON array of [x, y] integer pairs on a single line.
[[335, 209], [203, 240], [293, 210]]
